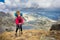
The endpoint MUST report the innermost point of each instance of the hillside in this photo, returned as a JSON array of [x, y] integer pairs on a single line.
[[31, 35], [38, 21], [35, 27], [6, 21], [32, 21]]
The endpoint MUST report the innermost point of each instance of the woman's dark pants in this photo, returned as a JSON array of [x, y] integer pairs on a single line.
[[18, 27]]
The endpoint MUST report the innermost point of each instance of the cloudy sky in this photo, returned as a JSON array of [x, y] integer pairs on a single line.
[[13, 4]]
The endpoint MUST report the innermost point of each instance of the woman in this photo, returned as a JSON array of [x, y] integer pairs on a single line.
[[19, 21]]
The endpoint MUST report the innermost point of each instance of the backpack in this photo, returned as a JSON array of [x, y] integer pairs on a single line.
[[17, 15]]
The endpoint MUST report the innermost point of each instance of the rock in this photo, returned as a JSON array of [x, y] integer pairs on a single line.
[[43, 37], [55, 27], [30, 34]]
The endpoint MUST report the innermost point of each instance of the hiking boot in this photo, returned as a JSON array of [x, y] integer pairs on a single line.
[[21, 32], [16, 34]]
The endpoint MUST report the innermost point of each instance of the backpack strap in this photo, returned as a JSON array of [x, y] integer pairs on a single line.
[[16, 15]]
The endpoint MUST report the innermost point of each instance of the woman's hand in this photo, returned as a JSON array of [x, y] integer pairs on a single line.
[[19, 23]]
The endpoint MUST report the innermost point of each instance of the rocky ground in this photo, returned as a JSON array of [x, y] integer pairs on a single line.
[[31, 35]]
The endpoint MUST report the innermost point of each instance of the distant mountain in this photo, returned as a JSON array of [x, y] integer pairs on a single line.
[[40, 9], [34, 16], [32, 21], [3, 14], [38, 21]]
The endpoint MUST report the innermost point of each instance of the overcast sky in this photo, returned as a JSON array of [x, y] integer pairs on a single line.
[[29, 3]]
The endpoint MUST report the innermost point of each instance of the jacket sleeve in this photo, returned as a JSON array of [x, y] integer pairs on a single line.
[[22, 20], [16, 21]]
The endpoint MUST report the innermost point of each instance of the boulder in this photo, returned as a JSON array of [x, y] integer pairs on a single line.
[[55, 27]]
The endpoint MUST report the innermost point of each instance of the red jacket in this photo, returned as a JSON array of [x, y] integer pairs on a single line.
[[19, 19]]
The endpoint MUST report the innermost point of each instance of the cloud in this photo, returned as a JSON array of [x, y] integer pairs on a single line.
[[33, 3], [43, 3], [40, 3], [18, 4], [56, 4], [2, 5], [29, 3]]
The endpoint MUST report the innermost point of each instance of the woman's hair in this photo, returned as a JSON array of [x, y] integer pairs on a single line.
[[18, 12]]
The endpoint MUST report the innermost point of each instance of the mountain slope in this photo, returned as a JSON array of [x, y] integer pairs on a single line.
[[38, 21], [29, 35], [32, 21], [6, 21]]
